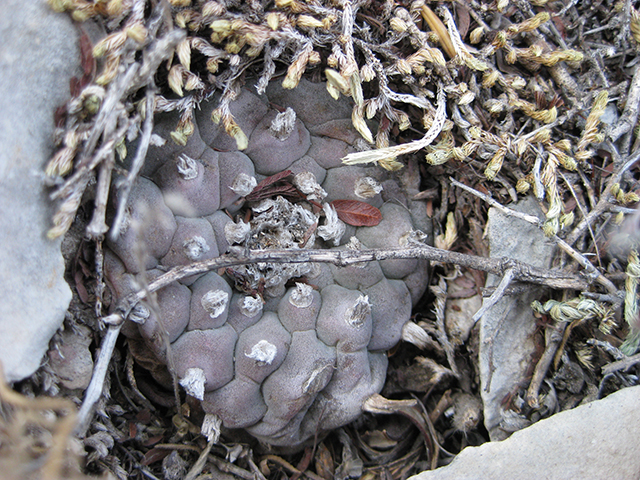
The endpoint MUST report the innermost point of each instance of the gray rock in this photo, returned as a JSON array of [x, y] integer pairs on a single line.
[[507, 328], [593, 441], [459, 311], [71, 359], [610, 115], [38, 55]]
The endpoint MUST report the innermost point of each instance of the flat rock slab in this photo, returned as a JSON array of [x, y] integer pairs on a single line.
[[507, 329], [38, 56], [594, 441]]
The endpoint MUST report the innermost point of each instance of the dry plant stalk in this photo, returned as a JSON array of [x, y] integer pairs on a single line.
[[36, 436]]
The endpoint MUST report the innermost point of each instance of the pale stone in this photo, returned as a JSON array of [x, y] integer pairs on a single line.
[[593, 441], [38, 56]]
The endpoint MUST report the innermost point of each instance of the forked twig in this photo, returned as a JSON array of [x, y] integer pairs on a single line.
[[522, 271], [499, 266], [94, 390], [577, 256], [137, 163], [497, 294]]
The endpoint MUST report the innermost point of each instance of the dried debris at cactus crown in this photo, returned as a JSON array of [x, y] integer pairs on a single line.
[[282, 350]]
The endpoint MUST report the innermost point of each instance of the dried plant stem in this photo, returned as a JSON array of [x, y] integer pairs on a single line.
[[623, 364], [577, 256], [98, 226], [553, 337], [443, 404], [107, 115], [497, 294], [111, 113], [161, 49], [506, 210], [583, 212], [565, 338], [286, 465], [586, 264], [100, 285], [437, 26], [603, 204], [630, 115], [392, 152], [440, 332], [197, 467], [137, 164], [94, 390], [228, 467], [522, 271]]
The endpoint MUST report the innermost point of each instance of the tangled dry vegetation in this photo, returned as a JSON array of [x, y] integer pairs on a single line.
[[496, 99]]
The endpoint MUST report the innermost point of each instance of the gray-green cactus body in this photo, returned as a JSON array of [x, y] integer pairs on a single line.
[[285, 351]]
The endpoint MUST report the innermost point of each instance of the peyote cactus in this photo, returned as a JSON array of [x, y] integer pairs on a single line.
[[285, 351]]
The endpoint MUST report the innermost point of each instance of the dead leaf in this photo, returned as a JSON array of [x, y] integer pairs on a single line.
[[303, 464], [87, 59], [273, 186], [61, 113], [378, 440], [154, 455], [324, 462], [83, 294], [133, 430], [357, 213], [270, 181], [88, 63], [153, 440], [463, 20]]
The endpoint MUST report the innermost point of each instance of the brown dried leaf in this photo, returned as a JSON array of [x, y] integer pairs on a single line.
[[83, 294], [379, 440], [153, 440], [463, 20], [87, 59], [357, 213], [258, 192], [272, 179], [154, 455], [284, 190], [324, 462]]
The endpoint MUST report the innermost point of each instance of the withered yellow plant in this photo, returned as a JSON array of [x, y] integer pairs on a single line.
[[446, 240], [438, 27], [631, 312], [590, 132], [36, 437], [295, 34], [634, 24]]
